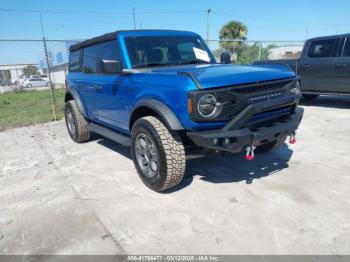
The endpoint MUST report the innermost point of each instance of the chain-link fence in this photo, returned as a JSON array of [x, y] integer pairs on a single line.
[[247, 52], [33, 72], [32, 78]]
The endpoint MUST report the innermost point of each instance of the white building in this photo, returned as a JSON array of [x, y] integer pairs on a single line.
[[58, 59], [285, 52], [12, 73]]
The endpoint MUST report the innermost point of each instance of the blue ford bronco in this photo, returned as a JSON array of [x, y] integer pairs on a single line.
[[162, 93]]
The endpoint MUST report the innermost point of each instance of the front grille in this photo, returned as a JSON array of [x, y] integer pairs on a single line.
[[236, 98], [262, 87]]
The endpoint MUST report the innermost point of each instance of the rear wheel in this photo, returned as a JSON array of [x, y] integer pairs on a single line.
[[159, 159], [310, 96], [77, 125], [29, 86]]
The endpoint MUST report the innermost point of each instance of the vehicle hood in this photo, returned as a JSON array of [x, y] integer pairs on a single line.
[[218, 75]]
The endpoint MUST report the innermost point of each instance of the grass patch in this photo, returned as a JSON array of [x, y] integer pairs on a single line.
[[29, 107]]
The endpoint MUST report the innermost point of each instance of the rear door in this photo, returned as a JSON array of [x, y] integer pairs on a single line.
[[87, 81], [342, 68], [317, 65]]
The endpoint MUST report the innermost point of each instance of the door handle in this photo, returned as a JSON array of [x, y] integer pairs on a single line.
[[341, 65], [305, 66]]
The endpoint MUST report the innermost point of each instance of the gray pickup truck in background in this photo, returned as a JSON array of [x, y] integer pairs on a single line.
[[323, 67]]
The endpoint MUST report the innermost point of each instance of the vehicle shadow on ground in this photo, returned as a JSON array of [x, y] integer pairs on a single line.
[[341, 102], [234, 168], [218, 168], [118, 148]]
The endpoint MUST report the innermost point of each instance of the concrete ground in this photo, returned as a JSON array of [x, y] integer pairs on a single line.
[[59, 197]]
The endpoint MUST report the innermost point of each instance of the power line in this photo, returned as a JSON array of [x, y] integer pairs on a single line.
[[99, 13], [167, 13], [276, 20]]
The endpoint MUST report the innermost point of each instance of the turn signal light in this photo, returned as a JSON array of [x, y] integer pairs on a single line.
[[189, 105]]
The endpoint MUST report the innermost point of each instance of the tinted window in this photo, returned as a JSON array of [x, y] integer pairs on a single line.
[[90, 59], [323, 48], [346, 51], [108, 51], [186, 50], [74, 61], [164, 50]]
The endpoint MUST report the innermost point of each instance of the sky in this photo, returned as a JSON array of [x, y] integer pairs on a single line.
[[278, 20]]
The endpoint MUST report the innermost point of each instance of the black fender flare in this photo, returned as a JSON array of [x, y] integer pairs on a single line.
[[73, 94], [165, 113]]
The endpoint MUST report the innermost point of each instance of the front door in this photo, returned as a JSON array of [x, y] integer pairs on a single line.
[[317, 65]]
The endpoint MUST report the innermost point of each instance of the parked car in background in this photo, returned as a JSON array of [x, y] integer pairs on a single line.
[[323, 67], [34, 82], [45, 77]]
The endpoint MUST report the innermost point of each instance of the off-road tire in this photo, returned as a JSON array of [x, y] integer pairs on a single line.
[[264, 148], [171, 154], [82, 131], [310, 96]]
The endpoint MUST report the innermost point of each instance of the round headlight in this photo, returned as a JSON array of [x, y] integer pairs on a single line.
[[296, 88], [207, 105]]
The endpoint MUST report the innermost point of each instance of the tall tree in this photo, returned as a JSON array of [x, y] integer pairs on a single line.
[[231, 36], [30, 70], [248, 54]]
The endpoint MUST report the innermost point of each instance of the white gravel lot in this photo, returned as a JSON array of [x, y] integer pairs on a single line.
[[59, 197]]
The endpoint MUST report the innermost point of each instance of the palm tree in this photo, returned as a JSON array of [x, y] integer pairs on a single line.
[[231, 36]]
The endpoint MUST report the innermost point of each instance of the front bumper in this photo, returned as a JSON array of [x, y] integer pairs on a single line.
[[233, 139]]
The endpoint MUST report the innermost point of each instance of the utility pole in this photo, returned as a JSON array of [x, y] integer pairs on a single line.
[[52, 95], [208, 12], [133, 14], [306, 33]]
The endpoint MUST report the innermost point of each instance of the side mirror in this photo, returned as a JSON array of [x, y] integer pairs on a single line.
[[225, 58], [111, 66]]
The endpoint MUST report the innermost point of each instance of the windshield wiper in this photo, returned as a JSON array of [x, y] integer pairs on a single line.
[[150, 65], [192, 62]]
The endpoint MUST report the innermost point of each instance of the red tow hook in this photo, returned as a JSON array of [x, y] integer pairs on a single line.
[[250, 153], [292, 139]]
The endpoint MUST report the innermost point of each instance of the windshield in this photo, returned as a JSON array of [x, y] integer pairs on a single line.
[[166, 50]]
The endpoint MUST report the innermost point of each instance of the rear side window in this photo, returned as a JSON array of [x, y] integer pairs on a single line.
[[346, 51], [109, 51], [323, 48], [90, 59], [74, 61]]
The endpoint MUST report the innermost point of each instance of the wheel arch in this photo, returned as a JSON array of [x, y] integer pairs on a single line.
[[152, 107], [72, 95]]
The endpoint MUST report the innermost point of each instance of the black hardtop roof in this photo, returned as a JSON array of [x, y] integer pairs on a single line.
[[112, 36], [329, 36]]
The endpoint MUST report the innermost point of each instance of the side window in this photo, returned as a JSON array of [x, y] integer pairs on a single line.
[[323, 48], [346, 51], [74, 61], [108, 51], [90, 59]]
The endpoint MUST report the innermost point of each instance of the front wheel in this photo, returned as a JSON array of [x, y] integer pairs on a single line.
[[159, 159]]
